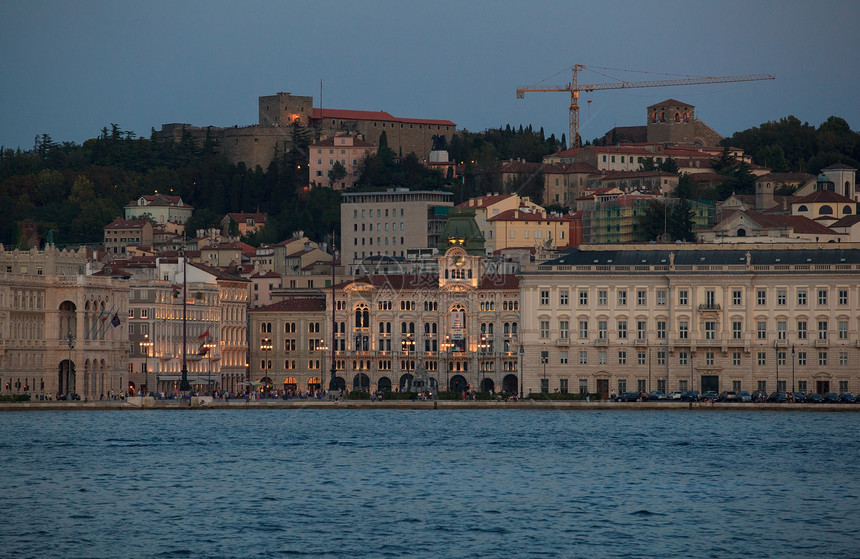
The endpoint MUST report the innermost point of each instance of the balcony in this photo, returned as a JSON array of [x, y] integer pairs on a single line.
[[562, 342], [601, 342], [709, 307], [781, 343], [822, 343], [640, 342]]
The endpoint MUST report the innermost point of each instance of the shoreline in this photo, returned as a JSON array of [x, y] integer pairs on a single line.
[[204, 403]]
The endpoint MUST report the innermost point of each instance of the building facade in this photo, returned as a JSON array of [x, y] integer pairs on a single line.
[[693, 318], [61, 332], [389, 223]]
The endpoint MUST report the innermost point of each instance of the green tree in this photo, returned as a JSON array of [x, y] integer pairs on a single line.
[[336, 173]]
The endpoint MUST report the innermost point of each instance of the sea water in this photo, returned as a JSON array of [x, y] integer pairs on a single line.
[[429, 483]]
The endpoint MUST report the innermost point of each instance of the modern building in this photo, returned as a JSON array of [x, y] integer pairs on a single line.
[[690, 317], [390, 223]]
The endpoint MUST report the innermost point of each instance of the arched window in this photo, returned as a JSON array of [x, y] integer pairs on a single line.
[[846, 210], [677, 117], [802, 208], [825, 210]]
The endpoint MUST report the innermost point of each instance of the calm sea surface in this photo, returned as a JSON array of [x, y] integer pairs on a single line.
[[391, 483]]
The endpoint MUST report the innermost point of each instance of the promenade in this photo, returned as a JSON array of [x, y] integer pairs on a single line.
[[205, 403]]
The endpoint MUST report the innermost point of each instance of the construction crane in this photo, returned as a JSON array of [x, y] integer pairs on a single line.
[[574, 88]]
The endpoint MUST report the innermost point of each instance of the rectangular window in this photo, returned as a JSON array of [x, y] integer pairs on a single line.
[[622, 298], [583, 357], [801, 329], [761, 330], [661, 329], [801, 358], [583, 329], [563, 329], [843, 358], [601, 297], [602, 326], [562, 385], [661, 297], [843, 386], [640, 357], [781, 330], [710, 330], [583, 386], [736, 297], [709, 358], [622, 357], [761, 297], [822, 329], [801, 386], [641, 330], [781, 297], [801, 297], [822, 297], [843, 329], [583, 298], [661, 357], [544, 329], [736, 358], [601, 357], [562, 357], [563, 297], [640, 385], [780, 357], [641, 298], [822, 358], [683, 330], [683, 297], [710, 299], [544, 297], [622, 329], [843, 296], [762, 358], [682, 358]]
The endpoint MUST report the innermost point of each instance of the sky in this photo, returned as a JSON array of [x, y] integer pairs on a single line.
[[71, 68]]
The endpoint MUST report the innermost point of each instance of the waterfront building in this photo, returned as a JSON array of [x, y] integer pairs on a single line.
[[456, 327], [693, 317], [61, 331]]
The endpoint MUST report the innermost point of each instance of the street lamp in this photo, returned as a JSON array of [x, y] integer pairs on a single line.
[[544, 357], [446, 348], [145, 345], [777, 368], [483, 346], [71, 342], [792, 369], [209, 346], [266, 347], [522, 371]]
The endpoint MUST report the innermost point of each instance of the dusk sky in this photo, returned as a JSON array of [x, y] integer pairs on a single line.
[[69, 69]]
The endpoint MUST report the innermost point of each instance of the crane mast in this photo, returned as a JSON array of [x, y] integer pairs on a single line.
[[574, 88]]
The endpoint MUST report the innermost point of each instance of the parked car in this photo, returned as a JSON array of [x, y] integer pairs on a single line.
[[831, 398], [728, 396], [848, 398], [690, 396], [676, 395], [777, 398], [744, 396], [627, 397], [759, 396], [657, 395], [798, 397], [709, 396], [814, 398]]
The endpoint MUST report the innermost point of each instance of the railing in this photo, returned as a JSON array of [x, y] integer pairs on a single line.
[[709, 307]]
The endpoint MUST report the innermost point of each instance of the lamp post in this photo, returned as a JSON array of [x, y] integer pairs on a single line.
[[71, 343], [522, 371], [792, 369], [777, 369], [544, 357], [266, 347], [209, 346], [483, 346], [446, 347], [145, 345]]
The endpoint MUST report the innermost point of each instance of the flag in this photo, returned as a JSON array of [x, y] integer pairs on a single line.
[[204, 335], [203, 350], [105, 318], [115, 320]]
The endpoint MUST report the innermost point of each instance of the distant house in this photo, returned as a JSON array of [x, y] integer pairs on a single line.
[[248, 223], [346, 149], [169, 211], [122, 233]]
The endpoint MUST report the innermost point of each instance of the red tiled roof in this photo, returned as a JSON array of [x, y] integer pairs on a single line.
[[120, 223], [521, 215], [484, 201], [257, 217], [431, 281], [293, 305], [345, 114], [824, 196], [566, 168]]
